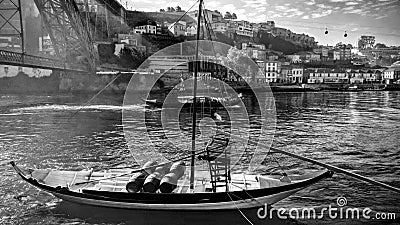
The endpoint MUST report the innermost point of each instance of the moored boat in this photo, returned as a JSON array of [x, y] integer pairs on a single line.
[[162, 187], [108, 189], [187, 102]]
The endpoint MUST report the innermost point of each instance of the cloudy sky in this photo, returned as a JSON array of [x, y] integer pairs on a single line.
[[380, 18]]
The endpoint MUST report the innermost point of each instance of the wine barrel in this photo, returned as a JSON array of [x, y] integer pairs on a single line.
[[136, 181], [152, 181], [170, 180]]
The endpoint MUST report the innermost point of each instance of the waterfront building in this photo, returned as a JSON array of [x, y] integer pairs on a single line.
[[283, 74], [327, 75], [264, 26], [244, 28], [304, 57], [366, 42], [323, 51], [344, 51], [387, 52], [178, 28], [356, 76], [254, 51], [191, 30], [214, 16], [146, 29], [295, 74], [271, 71], [371, 76], [131, 40], [294, 58], [392, 74], [334, 54], [220, 26], [272, 57]]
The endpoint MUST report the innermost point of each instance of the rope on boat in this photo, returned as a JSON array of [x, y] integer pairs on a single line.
[[138, 170], [244, 216], [186, 12], [248, 194]]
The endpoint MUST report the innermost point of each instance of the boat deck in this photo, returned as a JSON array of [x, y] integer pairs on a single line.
[[115, 180]]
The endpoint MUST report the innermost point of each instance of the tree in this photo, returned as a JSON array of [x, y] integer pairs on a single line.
[[178, 9], [169, 9], [234, 16], [162, 10], [228, 15], [131, 58], [380, 45], [238, 61]]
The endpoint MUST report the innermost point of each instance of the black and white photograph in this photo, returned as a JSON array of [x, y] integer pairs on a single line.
[[145, 112]]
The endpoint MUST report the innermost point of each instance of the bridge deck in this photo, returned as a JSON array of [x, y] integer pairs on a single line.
[[20, 59]]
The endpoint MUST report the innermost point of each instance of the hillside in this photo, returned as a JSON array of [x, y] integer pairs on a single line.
[[275, 43], [137, 18]]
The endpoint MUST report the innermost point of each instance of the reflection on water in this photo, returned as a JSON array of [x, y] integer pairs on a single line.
[[358, 131]]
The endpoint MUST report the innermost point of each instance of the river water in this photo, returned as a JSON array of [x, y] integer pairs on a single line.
[[358, 131]]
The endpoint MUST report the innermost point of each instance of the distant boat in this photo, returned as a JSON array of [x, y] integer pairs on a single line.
[[187, 102], [354, 88]]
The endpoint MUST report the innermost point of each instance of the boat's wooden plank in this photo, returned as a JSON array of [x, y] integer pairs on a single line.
[[63, 178], [112, 188], [40, 175], [183, 184], [112, 182]]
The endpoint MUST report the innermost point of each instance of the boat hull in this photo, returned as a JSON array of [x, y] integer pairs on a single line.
[[208, 104], [230, 205]]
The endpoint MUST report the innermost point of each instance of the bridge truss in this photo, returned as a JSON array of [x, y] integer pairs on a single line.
[[11, 25], [70, 35]]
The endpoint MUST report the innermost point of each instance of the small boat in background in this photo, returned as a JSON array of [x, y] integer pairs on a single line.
[[202, 101], [354, 88]]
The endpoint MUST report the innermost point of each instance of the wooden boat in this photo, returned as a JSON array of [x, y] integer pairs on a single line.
[[245, 190], [184, 190], [216, 189]]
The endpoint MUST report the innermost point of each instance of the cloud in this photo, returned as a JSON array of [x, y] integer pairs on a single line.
[[321, 14], [310, 2], [351, 3]]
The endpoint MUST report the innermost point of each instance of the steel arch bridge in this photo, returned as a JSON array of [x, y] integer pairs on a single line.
[[67, 24]]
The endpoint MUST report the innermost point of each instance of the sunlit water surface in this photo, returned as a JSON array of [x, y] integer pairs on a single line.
[[358, 131]]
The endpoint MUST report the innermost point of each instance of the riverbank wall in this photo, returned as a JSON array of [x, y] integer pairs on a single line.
[[59, 82]]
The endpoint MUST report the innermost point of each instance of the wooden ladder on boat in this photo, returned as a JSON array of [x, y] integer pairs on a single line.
[[218, 161]]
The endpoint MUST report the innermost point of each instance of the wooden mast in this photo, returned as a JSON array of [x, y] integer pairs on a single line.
[[196, 67]]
